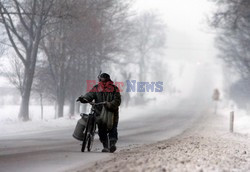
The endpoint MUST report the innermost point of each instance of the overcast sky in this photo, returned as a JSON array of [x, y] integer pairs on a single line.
[[190, 41], [189, 37]]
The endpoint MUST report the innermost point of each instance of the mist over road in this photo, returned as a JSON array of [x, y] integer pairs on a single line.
[[58, 151]]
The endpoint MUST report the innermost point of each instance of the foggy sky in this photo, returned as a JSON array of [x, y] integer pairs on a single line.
[[188, 36], [189, 39]]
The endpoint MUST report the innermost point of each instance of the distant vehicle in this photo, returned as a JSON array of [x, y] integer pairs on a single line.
[[216, 98], [216, 95]]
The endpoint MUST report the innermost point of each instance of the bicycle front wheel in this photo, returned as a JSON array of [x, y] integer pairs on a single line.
[[84, 143], [90, 143], [91, 139], [86, 136]]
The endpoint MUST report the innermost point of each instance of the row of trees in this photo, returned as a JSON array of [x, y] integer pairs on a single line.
[[232, 20], [59, 44]]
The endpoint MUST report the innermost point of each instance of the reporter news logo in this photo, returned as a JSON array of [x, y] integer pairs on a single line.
[[131, 86]]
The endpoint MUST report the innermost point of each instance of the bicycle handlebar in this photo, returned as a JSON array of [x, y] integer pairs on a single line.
[[94, 104], [100, 103]]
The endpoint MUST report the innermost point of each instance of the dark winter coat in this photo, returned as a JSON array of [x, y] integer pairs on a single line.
[[102, 93]]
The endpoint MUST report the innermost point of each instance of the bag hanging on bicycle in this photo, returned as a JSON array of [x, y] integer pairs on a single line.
[[107, 117], [79, 129]]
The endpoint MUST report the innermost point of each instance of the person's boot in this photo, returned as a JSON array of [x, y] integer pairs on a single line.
[[112, 146], [105, 147]]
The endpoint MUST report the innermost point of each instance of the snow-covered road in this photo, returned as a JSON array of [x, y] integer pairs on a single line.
[[58, 151]]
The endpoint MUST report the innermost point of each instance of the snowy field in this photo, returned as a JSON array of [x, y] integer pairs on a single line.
[[10, 125]]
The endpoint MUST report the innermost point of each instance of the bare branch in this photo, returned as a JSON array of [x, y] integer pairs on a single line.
[[12, 40], [19, 13]]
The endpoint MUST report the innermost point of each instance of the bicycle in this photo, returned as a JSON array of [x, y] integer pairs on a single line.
[[89, 133]]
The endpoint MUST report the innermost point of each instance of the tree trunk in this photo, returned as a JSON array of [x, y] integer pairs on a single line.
[[41, 103], [60, 109], [60, 104], [142, 68], [24, 108], [29, 71], [72, 107], [61, 93], [142, 73], [55, 108]]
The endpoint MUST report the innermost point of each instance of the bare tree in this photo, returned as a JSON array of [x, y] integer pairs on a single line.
[[42, 84], [24, 22], [126, 95], [82, 43], [61, 50], [240, 92], [232, 19], [235, 52], [58, 59], [149, 40], [14, 73]]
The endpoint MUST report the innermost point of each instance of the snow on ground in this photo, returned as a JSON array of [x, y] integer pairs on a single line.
[[241, 117], [10, 125], [207, 146]]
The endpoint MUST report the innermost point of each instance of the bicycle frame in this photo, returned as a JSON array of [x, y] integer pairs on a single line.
[[90, 128]]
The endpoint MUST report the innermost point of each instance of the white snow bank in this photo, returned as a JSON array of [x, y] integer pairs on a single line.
[[241, 118], [10, 125]]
